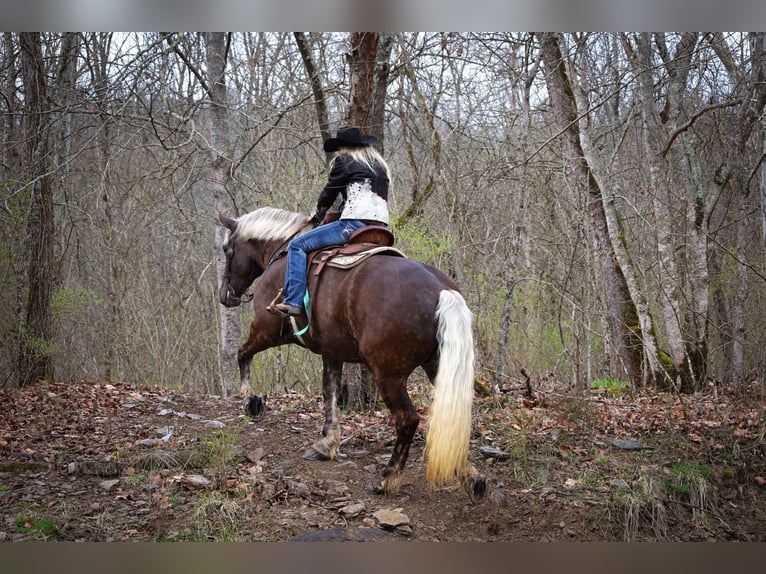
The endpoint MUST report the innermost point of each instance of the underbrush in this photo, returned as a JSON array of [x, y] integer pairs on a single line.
[[664, 467]]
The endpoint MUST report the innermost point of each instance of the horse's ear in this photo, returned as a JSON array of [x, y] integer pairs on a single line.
[[227, 221]]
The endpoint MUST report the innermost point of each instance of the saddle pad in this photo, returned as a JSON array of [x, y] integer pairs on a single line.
[[351, 260]]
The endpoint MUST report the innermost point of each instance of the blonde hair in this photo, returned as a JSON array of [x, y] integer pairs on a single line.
[[366, 155]]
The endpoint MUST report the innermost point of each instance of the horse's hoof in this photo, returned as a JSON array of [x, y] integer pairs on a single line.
[[378, 487], [255, 408], [388, 484], [477, 488], [374, 489], [314, 454]]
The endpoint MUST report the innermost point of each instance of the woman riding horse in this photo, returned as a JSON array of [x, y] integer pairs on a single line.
[[361, 175]]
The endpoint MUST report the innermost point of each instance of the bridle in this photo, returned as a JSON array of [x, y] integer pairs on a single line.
[[232, 294], [278, 253]]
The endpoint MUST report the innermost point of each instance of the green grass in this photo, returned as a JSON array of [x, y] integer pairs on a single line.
[[684, 476], [611, 387], [42, 527], [690, 482]]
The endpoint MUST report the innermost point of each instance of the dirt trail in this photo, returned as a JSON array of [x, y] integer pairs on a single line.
[[103, 462]]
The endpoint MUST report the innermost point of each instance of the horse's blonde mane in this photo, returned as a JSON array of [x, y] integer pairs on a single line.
[[269, 224]]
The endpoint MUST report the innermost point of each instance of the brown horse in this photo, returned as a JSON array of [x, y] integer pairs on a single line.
[[390, 313]]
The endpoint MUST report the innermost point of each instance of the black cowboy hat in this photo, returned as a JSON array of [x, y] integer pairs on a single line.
[[348, 137]]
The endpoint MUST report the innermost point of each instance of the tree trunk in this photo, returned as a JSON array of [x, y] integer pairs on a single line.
[[368, 78], [216, 47], [752, 91], [66, 86], [99, 46], [320, 101], [740, 296], [380, 88], [623, 317], [34, 360], [668, 273], [518, 231], [361, 65]]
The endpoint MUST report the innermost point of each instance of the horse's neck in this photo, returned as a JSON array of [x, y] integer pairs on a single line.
[[270, 251]]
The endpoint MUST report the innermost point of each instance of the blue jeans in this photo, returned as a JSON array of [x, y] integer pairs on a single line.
[[335, 233]]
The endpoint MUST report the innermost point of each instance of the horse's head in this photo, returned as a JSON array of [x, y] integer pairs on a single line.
[[253, 239], [242, 267]]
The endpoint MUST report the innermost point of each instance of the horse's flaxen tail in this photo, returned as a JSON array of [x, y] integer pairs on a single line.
[[449, 426]]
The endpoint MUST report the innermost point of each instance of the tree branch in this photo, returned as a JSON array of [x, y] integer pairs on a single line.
[[682, 128]]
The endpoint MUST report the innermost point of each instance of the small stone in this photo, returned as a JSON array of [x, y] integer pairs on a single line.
[[336, 488], [391, 519], [626, 444], [353, 510], [109, 484], [255, 455], [496, 497], [300, 489], [195, 481], [148, 442], [492, 452]]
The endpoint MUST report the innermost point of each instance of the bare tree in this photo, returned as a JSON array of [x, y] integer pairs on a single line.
[[368, 69], [527, 72], [220, 157], [623, 316], [317, 88], [149, 135], [750, 86], [34, 361]]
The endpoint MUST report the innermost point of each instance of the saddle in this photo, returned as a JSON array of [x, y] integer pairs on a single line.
[[363, 244]]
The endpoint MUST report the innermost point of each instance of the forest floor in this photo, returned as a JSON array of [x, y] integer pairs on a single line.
[[85, 461]]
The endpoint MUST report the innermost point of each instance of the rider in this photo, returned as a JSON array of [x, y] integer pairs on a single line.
[[361, 175]]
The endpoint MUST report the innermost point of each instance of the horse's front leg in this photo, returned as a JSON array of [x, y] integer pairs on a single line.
[[327, 446], [253, 405]]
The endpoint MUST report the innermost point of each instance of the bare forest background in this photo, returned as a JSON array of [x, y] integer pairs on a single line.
[[599, 197]]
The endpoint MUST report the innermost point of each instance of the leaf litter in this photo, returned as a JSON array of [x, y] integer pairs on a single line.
[[91, 461]]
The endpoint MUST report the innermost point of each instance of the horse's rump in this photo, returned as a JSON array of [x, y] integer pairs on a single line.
[[385, 305]]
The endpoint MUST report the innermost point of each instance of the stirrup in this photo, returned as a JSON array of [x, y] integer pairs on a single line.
[[288, 310], [272, 307]]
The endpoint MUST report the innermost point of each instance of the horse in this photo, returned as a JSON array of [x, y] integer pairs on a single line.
[[390, 313]]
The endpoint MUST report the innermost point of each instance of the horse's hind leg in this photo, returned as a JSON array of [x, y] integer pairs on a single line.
[[406, 420], [326, 447]]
